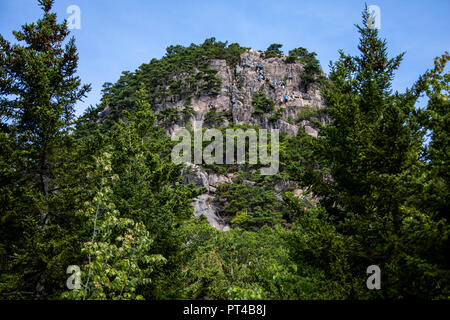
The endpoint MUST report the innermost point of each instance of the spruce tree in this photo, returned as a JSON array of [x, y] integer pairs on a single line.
[[39, 89], [366, 169]]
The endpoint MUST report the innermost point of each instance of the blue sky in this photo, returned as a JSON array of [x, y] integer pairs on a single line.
[[121, 35]]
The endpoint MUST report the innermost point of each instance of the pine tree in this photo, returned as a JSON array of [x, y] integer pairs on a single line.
[[366, 169], [38, 90], [149, 191]]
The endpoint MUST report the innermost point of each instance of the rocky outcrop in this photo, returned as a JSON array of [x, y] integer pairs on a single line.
[[205, 205], [240, 84]]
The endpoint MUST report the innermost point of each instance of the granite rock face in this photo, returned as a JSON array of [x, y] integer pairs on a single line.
[[205, 204], [239, 85]]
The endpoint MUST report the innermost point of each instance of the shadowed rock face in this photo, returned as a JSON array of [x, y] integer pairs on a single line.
[[240, 84]]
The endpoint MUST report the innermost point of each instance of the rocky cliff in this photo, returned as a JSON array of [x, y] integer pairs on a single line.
[[254, 74], [192, 84], [238, 86]]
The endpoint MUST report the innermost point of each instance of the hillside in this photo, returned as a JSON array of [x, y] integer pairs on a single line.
[[346, 196], [184, 83], [247, 87]]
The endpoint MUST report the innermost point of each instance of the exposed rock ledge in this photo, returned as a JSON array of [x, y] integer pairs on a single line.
[[240, 84], [205, 204]]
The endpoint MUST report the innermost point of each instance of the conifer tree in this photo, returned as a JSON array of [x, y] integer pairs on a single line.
[[366, 169], [149, 191], [38, 89]]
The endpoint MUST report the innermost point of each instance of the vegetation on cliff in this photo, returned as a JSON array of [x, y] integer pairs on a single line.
[[101, 192]]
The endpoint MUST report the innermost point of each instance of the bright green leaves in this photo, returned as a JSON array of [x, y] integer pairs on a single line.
[[118, 252], [190, 64]]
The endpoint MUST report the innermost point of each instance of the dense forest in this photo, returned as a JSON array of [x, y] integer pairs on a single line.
[[101, 192]]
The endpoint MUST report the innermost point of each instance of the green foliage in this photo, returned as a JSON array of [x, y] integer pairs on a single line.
[[38, 91], [298, 54], [273, 51], [315, 238], [251, 206], [429, 224], [246, 166], [148, 191], [181, 74], [48, 174], [367, 171], [312, 71], [214, 118], [169, 116], [245, 265], [277, 114], [101, 191], [118, 253], [310, 113], [262, 104]]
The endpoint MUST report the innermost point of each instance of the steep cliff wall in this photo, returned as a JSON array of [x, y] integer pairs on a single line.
[[241, 83], [272, 77], [191, 84]]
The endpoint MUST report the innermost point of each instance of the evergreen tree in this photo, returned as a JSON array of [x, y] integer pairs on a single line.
[[430, 230], [312, 70], [148, 194], [38, 90], [274, 50], [366, 169]]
